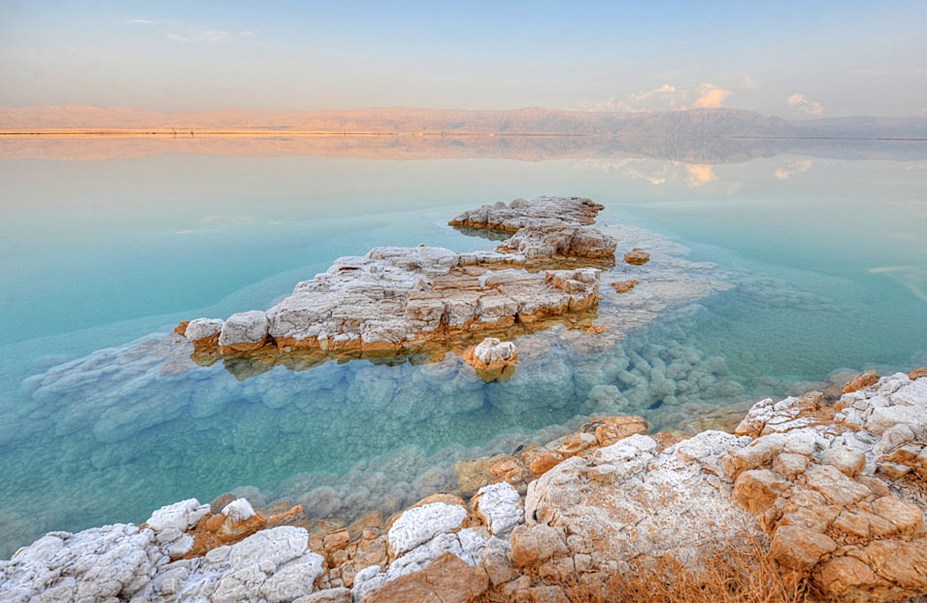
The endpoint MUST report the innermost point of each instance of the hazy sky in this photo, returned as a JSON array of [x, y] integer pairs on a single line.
[[793, 59]]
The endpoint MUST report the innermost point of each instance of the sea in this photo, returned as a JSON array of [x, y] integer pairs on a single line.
[[104, 248]]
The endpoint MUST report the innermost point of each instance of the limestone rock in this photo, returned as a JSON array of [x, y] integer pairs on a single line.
[[473, 474], [492, 358], [499, 506], [398, 300], [627, 500], [621, 287], [243, 332], [860, 381], [446, 580], [536, 544], [181, 516], [420, 524], [203, 328], [520, 213], [798, 548], [637, 257]]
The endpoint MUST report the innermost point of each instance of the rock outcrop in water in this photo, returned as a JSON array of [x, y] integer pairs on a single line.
[[837, 488], [399, 300]]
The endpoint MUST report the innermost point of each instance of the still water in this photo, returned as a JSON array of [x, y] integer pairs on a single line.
[[824, 257]]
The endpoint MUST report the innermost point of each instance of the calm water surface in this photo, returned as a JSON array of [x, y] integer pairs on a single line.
[[826, 258]]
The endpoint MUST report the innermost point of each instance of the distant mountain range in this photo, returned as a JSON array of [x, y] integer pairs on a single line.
[[712, 123]]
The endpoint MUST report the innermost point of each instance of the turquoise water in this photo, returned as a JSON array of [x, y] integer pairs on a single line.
[[103, 418]]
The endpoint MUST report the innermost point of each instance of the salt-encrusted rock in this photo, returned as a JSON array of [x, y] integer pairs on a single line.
[[203, 328], [447, 579], [637, 257], [236, 521], [499, 506], [243, 332], [329, 595], [621, 287], [628, 500], [420, 524], [405, 300], [94, 565], [492, 350], [492, 358], [860, 381], [271, 565], [556, 240], [520, 213], [238, 510], [468, 545], [181, 516]]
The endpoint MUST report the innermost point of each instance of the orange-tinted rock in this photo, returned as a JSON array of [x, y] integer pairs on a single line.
[[860, 381], [757, 489], [536, 544], [668, 437], [539, 460], [181, 327], [625, 286], [884, 570], [637, 257], [918, 373], [572, 444], [597, 329], [215, 530], [446, 580], [493, 359], [614, 429], [473, 474], [798, 548]]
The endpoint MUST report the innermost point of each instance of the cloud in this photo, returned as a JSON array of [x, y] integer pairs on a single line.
[[711, 96], [794, 167], [178, 32], [804, 105], [667, 97]]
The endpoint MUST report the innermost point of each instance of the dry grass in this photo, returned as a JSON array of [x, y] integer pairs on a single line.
[[737, 574]]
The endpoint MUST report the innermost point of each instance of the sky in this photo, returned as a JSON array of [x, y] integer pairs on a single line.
[[792, 59]]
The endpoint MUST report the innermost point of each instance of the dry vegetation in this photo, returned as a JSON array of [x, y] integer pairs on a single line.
[[742, 573]]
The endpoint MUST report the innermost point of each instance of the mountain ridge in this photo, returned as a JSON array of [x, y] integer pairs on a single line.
[[716, 122]]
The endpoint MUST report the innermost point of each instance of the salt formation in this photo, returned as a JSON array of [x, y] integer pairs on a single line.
[[403, 300]]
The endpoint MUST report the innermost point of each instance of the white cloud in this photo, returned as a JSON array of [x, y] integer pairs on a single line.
[[710, 96], [668, 97], [179, 32], [804, 105]]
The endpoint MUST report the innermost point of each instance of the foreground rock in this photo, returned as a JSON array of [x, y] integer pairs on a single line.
[[398, 300], [838, 491]]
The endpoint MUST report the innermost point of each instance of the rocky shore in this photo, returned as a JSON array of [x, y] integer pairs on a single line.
[[833, 486]]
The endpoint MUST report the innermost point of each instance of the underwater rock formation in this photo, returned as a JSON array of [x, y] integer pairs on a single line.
[[397, 300]]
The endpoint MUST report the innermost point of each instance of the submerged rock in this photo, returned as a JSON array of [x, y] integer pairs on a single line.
[[637, 257]]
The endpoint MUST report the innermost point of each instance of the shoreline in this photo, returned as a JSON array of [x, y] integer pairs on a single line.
[[530, 520]]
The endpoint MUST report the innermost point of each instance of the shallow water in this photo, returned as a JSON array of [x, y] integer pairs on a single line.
[[824, 260]]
